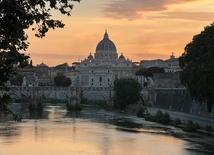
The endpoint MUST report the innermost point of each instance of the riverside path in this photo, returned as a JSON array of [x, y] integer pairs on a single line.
[[203, 121]]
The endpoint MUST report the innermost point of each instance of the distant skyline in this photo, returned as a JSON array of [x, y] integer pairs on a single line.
[[140, 29]]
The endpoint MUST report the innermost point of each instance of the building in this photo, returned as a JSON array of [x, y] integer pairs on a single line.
[[39, 75], [167, 80], [103, 68], [170, 65], [43, 75]]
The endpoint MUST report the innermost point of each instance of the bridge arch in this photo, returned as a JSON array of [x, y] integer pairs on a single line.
[[96, 95]]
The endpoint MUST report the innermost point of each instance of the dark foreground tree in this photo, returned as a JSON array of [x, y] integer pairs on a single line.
[[197, 63], [61, 80], [127, 91], [16, 16], [17, 80]]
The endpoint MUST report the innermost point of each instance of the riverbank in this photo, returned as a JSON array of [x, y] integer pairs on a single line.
[[203, 121], [195, 125], [200, 136]]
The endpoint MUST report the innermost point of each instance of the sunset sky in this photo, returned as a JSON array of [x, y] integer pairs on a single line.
[[140, 29]]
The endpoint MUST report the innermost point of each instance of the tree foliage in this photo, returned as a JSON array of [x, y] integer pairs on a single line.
[[62, 66], [17, 80], [61, 80], [16, 16], [148, 72], [198, 66], [127, 91]]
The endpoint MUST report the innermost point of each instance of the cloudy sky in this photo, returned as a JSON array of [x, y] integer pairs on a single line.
[[140, 29]]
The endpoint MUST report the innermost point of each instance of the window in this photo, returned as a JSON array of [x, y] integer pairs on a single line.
[[100, 79]]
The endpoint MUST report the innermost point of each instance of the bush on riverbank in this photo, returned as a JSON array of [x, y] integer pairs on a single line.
[[177, 121], [137, 109], [160, 117], [209, 128], [189, 126], [141, 111]]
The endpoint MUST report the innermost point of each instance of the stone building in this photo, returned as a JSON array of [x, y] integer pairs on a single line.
[[167, 80], [170, 65], [43, 75], [103, 68]]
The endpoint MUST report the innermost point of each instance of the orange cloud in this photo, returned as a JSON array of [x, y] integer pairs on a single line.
[[132, 10], [194, 16]]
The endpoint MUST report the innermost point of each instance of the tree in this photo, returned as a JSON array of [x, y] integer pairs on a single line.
[[62, 67], [127, 91], [62, 80], [16, 16], [148, 72], [17, 80], [198, 66]]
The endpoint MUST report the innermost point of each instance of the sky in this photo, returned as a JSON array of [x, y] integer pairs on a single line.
[[140, 29]]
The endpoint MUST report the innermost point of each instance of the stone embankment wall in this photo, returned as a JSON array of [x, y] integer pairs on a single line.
[[175, 100], [182, 103]]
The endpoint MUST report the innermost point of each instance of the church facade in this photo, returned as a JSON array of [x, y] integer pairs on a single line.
[[103, 68]]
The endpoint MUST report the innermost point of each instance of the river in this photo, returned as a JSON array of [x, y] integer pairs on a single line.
[[92, 131]]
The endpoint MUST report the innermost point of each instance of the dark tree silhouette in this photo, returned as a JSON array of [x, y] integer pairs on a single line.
[[198, 66], [148, 72], [127, 91], [62, 80], [16, 16]]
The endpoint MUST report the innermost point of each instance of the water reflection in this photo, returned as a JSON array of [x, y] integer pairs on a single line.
[[90, 131]]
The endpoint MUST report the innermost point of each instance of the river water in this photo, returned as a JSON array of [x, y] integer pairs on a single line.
[[89, 132]]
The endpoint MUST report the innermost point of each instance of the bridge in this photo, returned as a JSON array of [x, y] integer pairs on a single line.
[[176, 99], [36, 94]]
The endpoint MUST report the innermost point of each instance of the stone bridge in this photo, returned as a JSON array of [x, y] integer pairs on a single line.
[[36, 94], [97, 93]]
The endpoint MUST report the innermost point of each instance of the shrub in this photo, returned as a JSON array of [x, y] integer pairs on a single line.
[[189, 127], [141, 112], [209, 128], [165, 119], [158, 116], [177, 121], [197, 126], [150, 118], [136, 108]]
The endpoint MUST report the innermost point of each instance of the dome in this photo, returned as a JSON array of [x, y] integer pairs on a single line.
[[90, 56], [121, 56], [106, 44], [42, 65]]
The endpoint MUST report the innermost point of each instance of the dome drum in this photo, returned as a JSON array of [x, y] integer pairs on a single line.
[[106, 45]]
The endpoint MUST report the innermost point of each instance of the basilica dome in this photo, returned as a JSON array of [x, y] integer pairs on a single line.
[[106, 44]]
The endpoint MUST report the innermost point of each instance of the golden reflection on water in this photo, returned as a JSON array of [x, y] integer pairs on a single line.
[[76, 136]]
